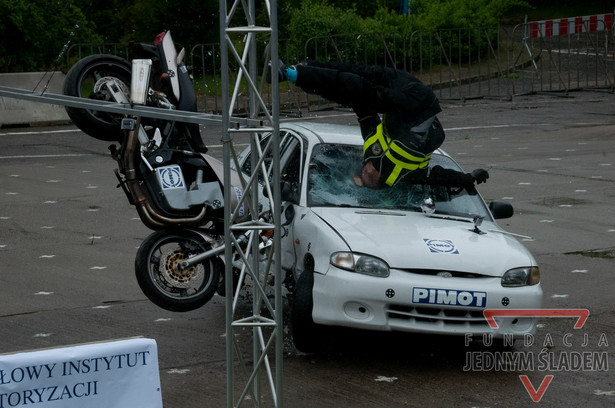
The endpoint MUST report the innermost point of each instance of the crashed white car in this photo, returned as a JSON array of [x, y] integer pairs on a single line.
[[409, 258]]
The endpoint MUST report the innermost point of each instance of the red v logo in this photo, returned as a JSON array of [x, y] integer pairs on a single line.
[[536, 395]]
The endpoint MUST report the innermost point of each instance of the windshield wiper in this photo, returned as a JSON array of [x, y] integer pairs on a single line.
[[381, 212], [448, 216]]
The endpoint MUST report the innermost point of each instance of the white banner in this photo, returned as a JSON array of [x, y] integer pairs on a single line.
[[118, 374]]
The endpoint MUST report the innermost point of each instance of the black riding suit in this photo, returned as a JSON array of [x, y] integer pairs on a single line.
[[400, 144]]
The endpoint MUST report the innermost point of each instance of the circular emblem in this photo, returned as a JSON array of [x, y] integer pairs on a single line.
[[441, 246], [390, 293], [377, 149], [171, 177], [505, 301], [445, 274], [216, 204]]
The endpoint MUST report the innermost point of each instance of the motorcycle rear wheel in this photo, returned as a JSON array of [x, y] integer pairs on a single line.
[[86, 79], [161, 279]]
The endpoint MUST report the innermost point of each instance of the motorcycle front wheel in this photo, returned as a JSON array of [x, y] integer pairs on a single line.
[[161, 279], [91, 78]]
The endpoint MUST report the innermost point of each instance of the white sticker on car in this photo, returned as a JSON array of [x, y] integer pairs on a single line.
[[441, 246], [450, 297]]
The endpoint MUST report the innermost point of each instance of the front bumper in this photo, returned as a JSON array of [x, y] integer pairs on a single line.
[[420, 303]]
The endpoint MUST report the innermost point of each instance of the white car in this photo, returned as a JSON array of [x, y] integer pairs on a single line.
[[409, 258]]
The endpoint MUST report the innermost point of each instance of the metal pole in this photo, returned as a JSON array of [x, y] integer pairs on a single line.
[[256, 296], [277, 193], [228, 257]]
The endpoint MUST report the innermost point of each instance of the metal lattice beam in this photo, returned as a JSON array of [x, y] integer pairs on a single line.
[[125, 108], [238, 39]]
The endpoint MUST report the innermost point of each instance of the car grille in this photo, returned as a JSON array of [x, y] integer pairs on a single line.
[[439, 318], [455, 274]]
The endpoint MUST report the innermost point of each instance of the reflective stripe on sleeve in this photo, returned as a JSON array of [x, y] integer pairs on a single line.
[[402, 159]]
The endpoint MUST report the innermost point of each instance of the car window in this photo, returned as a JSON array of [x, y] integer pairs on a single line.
[[246, 159], [291, 171], [330, 183], [292, 157]]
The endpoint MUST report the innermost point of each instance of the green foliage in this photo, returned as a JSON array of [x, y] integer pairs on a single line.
[[35, 32], [459, 29], [316, 18], [548, 9], [393, 22], [434, 14], [108, 17], [190, 21], [323, 28]]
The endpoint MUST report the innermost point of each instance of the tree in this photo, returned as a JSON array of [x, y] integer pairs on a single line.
[[33, 40], [190, 21], [108, 17]]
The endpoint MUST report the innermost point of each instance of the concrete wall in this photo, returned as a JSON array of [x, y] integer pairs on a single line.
[[15, 112]]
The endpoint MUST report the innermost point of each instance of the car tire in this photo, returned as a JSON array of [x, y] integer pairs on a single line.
[[308, 336]]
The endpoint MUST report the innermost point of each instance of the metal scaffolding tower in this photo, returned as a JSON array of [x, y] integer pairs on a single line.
[[238, 35], [238, 39]]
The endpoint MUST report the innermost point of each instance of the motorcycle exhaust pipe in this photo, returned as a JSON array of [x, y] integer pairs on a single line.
[[132, 183]]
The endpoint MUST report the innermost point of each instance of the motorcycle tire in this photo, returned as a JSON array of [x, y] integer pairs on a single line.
[[161, 279], [83, 80]]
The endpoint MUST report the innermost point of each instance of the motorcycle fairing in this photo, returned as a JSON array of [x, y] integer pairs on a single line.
[[170, 60], [180, 196], [181, 87]]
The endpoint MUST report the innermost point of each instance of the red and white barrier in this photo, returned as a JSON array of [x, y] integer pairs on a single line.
[[571, 25]]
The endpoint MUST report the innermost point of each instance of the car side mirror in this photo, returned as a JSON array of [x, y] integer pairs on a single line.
[[501, 209], [289, 214]]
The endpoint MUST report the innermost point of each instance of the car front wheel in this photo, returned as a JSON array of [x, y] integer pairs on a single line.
[[308, 336]]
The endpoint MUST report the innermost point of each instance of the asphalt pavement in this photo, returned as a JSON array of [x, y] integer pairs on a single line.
[[68, 239]]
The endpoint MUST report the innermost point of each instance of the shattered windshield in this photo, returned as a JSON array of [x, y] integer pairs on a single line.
[[330, 184]]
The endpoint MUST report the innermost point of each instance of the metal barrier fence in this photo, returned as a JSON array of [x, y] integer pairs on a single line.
[[571, 61], [459, 64]]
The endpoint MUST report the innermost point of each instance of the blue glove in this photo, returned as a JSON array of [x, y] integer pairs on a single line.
[[291, 74], [284, 73]]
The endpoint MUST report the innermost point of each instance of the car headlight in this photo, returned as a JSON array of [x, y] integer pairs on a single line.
[[360, 263], [521, 276]]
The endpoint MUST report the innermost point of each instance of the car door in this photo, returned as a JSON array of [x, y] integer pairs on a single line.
[[293, 150], [292, 163]]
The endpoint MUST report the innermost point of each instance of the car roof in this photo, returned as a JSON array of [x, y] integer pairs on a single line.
[[325, 132], [329, 133]]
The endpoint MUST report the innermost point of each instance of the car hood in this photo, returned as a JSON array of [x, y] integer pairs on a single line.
[[412, 240]]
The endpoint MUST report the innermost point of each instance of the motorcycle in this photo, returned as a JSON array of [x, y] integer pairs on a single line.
[[163, 169]]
